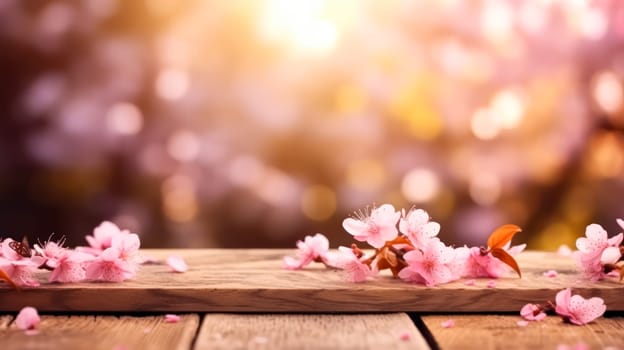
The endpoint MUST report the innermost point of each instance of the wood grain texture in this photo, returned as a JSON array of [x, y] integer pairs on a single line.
[[5, 320], [255, 281], [486, 332], [309, 331], [104, 332]]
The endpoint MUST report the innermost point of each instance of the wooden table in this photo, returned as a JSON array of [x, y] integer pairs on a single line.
[[245, 299]]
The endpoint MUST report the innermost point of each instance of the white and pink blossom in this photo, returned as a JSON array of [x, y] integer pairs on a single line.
[[593, 251], [578, 310], [376, 228], [109, 266], [434, 263], [312, 248], [417, 227], [353, 267], [486, 265]]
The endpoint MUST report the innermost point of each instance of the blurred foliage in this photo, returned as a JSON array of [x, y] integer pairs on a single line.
[[252, 123]]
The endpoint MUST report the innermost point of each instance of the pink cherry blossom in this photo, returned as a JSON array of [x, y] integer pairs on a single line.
[[128, 245], [532, 312], [312, 248], [70, 267], [19, 269], [377, 228], [591, 249], [354, 269], [103, 235], [27, 318], [177, 263], [433, 263], [578, 310], [109, 267], [405, 336], [417, 227], [66, 265], [480, 265], [172, 318]]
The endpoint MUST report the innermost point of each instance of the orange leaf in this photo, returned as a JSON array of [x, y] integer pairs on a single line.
[[502, 236], [503, 256], [4, 276], [390, 256]]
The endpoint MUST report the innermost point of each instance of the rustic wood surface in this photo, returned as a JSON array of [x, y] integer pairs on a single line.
[[102, 332], [255, 281], [309, 331], [502, 332], [5, 321]]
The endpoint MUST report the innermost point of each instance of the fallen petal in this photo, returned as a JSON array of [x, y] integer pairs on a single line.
[[550, 273], [470, 282], [28, 318], [491, 284], [171, 318], [448, 323], [177, 264], [522, 323], [405, 336]]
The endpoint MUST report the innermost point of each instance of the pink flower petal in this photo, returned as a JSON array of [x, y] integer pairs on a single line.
[[28, 318], [448, 324], [550, 273], [522, 323], [177, 264], [491, 284], [171, 318], [532, 312], [470, 282], [405, 336]]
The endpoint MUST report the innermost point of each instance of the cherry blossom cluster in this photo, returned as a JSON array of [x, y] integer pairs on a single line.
[[599, 256], [572, 308], [406, 243], [112, 256]]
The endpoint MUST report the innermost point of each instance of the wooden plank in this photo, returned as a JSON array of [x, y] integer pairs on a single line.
[[104, 332], [310, 331], [255, 281], [502, 332], [5, 320]]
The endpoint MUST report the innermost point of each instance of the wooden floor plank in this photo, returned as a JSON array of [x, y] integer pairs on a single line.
[[310, 331], [221, 280], [486, 332], [5, 320], [104, 332]]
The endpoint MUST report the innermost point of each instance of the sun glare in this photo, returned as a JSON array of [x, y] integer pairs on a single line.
[[300, 24]]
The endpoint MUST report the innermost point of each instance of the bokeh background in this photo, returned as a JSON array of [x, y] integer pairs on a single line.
[[251, 123]]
